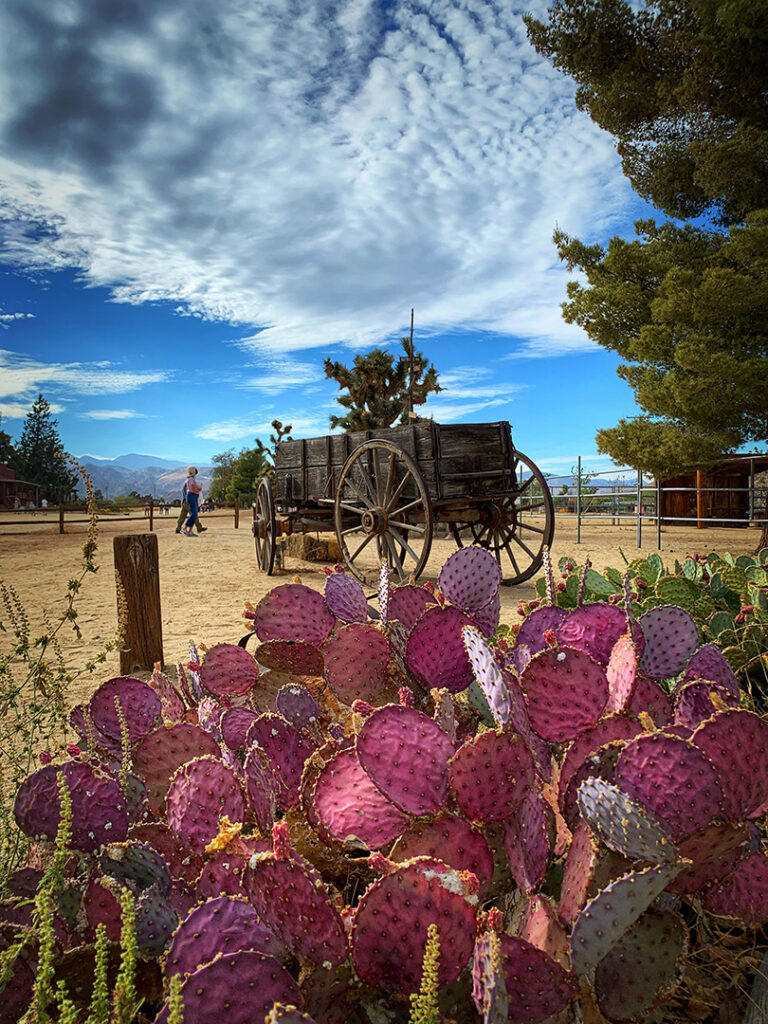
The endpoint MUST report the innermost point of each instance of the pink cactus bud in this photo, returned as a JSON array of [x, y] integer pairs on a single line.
[[495, 920], [338, 567], [550, 638], [73, 750], [502, 646], [747, 609], [522, 608], [362, 707], [705, 575], [615, 598], [587, 563], [405, 694], [535, 603], [281, 840], [430, 586], [249, 615], [739, 618], [327, 571], [471, 882], [193, 666], [569, 566], [45, 757], [381, 864], [640, 583], [560, 587]]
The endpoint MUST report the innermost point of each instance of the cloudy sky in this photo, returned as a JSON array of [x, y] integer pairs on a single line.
[[200, 200]]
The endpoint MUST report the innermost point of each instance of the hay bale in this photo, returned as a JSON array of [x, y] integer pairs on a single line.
[[310, 548]]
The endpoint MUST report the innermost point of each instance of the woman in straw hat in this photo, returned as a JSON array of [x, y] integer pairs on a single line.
[[193, 489]]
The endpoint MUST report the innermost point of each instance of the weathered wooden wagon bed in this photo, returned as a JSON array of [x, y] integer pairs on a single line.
[[384, 491]]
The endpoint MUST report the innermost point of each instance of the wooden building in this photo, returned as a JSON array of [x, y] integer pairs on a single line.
[[11, 489], [732, 492]]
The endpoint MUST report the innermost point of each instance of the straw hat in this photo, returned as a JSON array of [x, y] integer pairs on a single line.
[[191, 470]]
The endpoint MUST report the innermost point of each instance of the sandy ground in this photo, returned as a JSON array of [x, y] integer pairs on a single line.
[[205, 582]]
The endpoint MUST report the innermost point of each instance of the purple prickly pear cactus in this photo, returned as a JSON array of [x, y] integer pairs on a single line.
[[622, 824], [201, 793], [136, 864], [743, 894], [673, 779], [157, 756], [350, 807], [699, 700], [297, 706], [579, 872], [713, 852], [238, 988], [491, 775], [594, 629], [528, 841], [470, 578], [537, 986], [488, 617], [648, 696], [389, 932], [407, 604], [356, 661], [450, 839], [735, 742], [140, 705], [488, 673], [173, 706], [602, 765], [643, 969], [330, 994], [101, 906], [392, 742], [294, 612], [99, 813], [209, 713], [709, 662], [222, 876], [222, 925], [489, 988], [621, 673], [234, 724], [539, 925], [566, 692], [613, 911], [671, 637], [183, 864], [292, 656], [530, 637], [345, 598], [612, 727], [435, 653], [287, 750], [156, 921], [228, 670]]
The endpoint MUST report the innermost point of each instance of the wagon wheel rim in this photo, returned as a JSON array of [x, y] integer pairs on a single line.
[[517, 528], [383, 509], [265, 527]]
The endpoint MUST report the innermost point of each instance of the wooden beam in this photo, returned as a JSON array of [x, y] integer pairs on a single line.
[[137, 571], [701, 500]]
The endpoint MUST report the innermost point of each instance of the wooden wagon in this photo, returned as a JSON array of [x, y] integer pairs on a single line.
[[383, 492]]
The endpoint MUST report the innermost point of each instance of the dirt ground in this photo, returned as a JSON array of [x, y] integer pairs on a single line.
[[205, 582]]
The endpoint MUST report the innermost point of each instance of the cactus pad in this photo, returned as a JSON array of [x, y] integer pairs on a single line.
[[156, 921], [648, 696], [182, 863], [488, 673], [172, 705], [389, 932], [487, 618], [743, 894], [566, 692], [234, 725], [451, 840], [348, 804], [709, 662], [407, 604], [406, 755], [345, 598], [292, 656], [593, 629], [699, 700], [140, 705], [137, 864], [713, 853], [673, 779], [671, 637], [238, 988], [613, 911], [287, 749], [527, 841], [579, 872], [228, 669], [643, 969], [158, 755], [201, 793], [735, 742], [297, 706], [621, 673], [537, 986], [293, 612], [530, 637], [490, 776], [356, 660], [622, 824], [540, 926], [608, 729], [435, 653], [470, 578]]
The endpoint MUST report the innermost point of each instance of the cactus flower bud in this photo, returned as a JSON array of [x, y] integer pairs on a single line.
[[73, 750], [193, 666], [534, 603], [550, 638], [502, 646], [405, 693], [640, 583], [281, 840], [569, 566], [560, 587], [249, 615], [328, 571], [739, 618], [522, 608], [747, 609], [338, 567], [495, 920], [363, 708], [381, 864], [45, 757]]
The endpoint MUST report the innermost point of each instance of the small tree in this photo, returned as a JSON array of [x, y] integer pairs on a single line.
[[380, 388], [40, 455], [7, 452], [224, 467], [251, 465]]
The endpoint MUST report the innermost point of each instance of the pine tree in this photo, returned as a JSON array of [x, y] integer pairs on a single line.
[[7, 451], [40, 456]]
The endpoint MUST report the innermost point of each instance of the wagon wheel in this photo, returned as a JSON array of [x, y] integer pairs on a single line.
[[264, 526], [515, 529], [381, 497]]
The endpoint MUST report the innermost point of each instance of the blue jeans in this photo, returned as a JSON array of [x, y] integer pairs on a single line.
[[192, 501]]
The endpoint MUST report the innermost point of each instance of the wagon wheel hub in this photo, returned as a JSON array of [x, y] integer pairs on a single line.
[[374, 521], [492, 516], [259, 528]]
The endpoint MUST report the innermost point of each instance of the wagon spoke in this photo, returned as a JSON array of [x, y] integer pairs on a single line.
[[511, 556], [405, 508], [413, 527], [360, 497], [403, 543], [352, 508], [394, 554], [524, 546], [390, 479], [367, 540], [352, 529], [393, 500], [527, 526]]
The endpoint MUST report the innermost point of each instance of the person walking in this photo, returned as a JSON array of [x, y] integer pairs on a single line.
[[193, 489], [184, 514]]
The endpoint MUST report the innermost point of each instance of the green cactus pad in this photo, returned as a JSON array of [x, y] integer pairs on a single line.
[[677, 590]]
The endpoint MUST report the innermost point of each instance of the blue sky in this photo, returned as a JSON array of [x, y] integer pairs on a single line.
[[201, 200]]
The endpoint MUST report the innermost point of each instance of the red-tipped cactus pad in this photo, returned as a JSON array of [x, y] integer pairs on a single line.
[[743, 894], [451, 840], [622, 824], [292, 656], [238, 988], [709, 662], [613, 911], [349, 806], [99, 814], [172, 705], [159, 754], [406, 755], [389, 933], [673, 779], [470, 578], [292, 901], [621, 673], [228, 670], [608, 729], [671, 637], [435, 653], [293, 612], [540, 926], [140, 705], [594, 629], [345, 598], [407, 604], [528, 841], [579, 873], [537, 986], [736, 742], [488, 673], [643, 969], [491, 775], [201, 793], [699, 700], [566, 692], [221, 925], [356, 659], [287, 749]]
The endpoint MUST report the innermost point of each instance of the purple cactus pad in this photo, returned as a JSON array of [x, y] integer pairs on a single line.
[[287, 750], [330, 994], [537, 986], [735, 742], [743, 894], [182, 862], [593, 629], [490, 776], [435, 653], [579, 872], [297, 706], [566, 692], [173, 707], [470, 578], [621, 673], [451, 840], [612, 727], [648, 696], [158, 755], [699, 700], [293, 612], [709, 662], [539, 925], [530, 637], [202, 792], [260, 788], [234, 725], [356, 661], [528, 841], [407, 604], [345, 598], [622, 824], [671, 636], [290, 656], [488, 617], [713, 852], [140, 705]]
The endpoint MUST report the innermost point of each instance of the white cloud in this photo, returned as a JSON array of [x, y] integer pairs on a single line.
[[313, 174], [20, 410], [6, 319], [112, 414], [244, 429]]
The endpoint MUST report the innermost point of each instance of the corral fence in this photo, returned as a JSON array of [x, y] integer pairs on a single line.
[[71, 514], [620, 496]]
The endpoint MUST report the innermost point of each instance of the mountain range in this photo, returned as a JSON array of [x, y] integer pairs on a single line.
[[145, 474]]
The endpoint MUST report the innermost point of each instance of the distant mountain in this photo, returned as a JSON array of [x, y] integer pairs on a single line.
[[160, 480], [133, 460]]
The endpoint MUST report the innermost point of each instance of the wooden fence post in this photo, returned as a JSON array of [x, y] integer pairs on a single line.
[[237, 513], [151, 513], [701, 499], [136, 570], [61, 517]]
